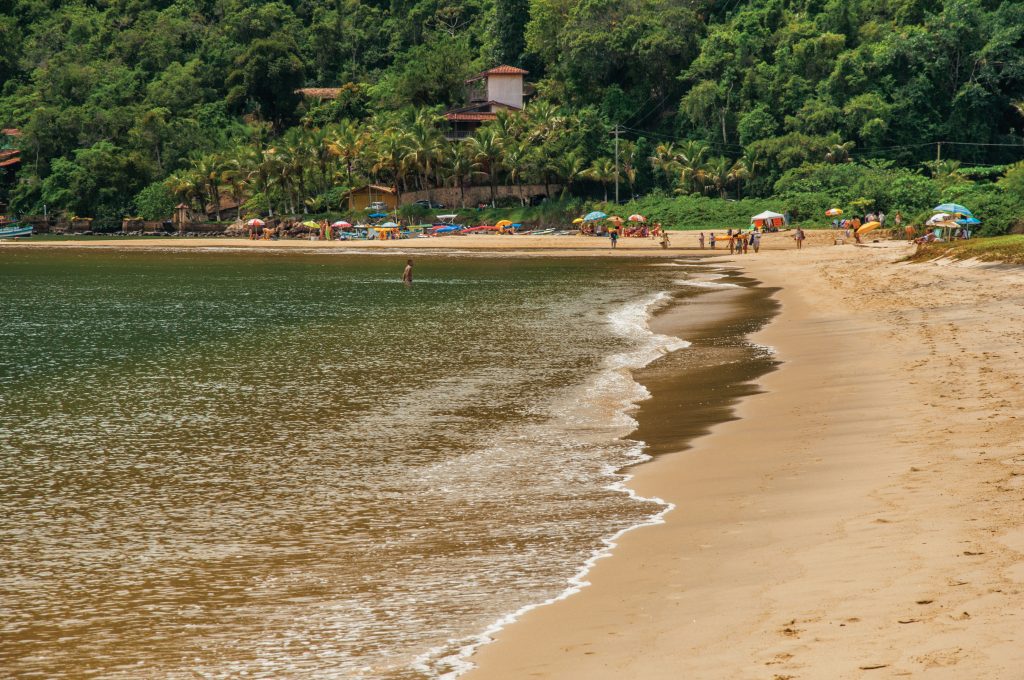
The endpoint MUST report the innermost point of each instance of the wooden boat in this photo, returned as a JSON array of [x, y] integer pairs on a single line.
[[14, 231]]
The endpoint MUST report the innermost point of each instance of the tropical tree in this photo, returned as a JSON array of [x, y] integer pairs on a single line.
[[602, 170], [485, 147], [460, 169], [568, 168]]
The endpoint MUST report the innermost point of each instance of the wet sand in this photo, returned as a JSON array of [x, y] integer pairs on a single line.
[[860, 518]]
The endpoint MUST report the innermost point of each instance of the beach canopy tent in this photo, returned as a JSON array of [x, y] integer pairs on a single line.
[[954, 208], [768, 219]]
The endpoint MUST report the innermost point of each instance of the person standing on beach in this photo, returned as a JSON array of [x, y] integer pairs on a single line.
[[755, 242], [799, 237], [732, 242], [745, 241], [407, 274], [664, 239], [613, 234], [712, 240], [700, 240]]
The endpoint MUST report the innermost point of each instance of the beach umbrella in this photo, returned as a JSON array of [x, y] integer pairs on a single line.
[[389, 225], [833, 212], [596, 215], [868, 227], [341, 223], [256, 222], [615, 219], [939, 217], [378, 215], [636, 218], [578, 220], [968, 220], [953, 208], [503, 223]]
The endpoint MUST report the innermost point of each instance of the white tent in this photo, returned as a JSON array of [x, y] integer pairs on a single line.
[[768, 215]]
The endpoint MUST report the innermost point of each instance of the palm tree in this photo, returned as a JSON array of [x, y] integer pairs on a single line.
[[568, 168], [665, 160], [460, 168], [485, 147], [737, 173], [210, 169], [717, 175], [602, 170], [517, 160], [187, 186], [391, 151], [346, 143], [426, 147], [544, 119]]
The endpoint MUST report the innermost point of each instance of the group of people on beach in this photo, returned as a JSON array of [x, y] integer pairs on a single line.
[[740, 242]]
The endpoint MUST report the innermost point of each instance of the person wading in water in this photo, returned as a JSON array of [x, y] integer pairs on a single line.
[[407, 274]]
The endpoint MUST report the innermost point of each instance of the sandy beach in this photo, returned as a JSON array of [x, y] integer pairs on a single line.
[[549, 245], [861, 518]]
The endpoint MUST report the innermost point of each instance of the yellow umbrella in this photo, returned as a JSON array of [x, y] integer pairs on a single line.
[[503, 223], [869, 226], [578, 220], [834, 212]]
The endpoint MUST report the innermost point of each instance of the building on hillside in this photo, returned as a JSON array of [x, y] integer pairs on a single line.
[[372, 197], [487, 93], [10, 154], [321, 94]]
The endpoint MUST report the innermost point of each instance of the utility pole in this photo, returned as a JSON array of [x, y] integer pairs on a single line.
[[938, 152], [616, 132]]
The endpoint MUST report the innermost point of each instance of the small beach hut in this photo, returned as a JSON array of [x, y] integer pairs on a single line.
[[768, 219]]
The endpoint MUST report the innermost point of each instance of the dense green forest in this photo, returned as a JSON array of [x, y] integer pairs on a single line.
[[127, 107]]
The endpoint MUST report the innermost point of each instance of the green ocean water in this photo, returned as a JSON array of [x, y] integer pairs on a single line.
[[219, 464]]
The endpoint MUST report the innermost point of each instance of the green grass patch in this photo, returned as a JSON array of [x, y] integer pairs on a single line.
[[1008, 249]]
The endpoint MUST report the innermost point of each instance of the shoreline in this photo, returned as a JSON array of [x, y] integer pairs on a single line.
[[795, 547], [705, 321]]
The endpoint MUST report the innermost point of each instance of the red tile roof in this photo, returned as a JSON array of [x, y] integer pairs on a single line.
[[11, 132], [503, 70], [10, 161], [470, 117]]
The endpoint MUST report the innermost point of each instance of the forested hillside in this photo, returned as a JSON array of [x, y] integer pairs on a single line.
[[129, 106]]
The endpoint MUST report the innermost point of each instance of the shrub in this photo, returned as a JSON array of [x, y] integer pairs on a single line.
[[155, 202]]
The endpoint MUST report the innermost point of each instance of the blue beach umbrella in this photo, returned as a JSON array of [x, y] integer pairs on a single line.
[[953, 208], [378, 215], [596, 215], [969, 220]]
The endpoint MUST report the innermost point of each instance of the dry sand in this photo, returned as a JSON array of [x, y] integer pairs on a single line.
[[862, 518], [549, 245]]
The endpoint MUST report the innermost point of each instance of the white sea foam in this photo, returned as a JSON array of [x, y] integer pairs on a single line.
[[615, 388]]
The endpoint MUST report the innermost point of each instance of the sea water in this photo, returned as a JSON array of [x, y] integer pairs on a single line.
[[291, 465]]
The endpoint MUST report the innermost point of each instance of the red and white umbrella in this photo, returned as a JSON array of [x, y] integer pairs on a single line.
[[256, 222], [341, 223], [637, 218]]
